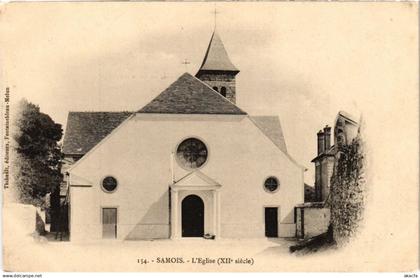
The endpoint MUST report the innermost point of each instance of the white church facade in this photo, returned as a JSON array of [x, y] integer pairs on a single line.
[[188, 164]]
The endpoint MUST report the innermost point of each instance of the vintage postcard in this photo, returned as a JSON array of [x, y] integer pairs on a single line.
[[201, 136]]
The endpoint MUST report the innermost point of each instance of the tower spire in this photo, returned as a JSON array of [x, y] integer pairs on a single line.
[[217, 70], [216, 57]]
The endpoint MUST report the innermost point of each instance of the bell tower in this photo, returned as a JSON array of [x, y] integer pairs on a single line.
[[217, 70]]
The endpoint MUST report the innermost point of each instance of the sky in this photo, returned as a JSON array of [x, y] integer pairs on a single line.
[[302, 63]]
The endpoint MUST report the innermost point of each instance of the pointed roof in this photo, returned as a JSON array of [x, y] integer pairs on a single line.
[[190, 95], [216, 57]]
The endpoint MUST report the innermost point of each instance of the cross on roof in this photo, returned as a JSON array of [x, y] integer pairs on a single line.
[[186, 63], [215, 12]]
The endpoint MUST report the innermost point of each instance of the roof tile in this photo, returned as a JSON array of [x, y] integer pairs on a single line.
[[190, 95], [85, 129]]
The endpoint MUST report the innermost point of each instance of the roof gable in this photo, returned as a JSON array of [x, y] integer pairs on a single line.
[[271, 127], [189, 95], [196, 179], [216, 57], [85, 129]]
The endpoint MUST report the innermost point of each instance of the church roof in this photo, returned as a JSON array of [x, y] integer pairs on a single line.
[[190, 95], [271, 127], [86, 129], [216, 57]]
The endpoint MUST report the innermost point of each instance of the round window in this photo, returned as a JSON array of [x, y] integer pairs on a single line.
[[191, 153], [271, 184], [109, 184]]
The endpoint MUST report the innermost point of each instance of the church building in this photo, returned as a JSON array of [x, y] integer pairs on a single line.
[[190, 163]]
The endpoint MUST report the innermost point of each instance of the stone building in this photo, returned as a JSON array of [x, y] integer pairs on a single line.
[[190, 163], [345, 129], [313, 218], [324, 164]]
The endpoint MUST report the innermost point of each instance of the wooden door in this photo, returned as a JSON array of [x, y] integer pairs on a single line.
[[271, 222], [192, 216], [109, 223]]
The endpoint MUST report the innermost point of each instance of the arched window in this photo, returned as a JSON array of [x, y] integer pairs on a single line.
[[223, 91], [216, 89], [271, 184]]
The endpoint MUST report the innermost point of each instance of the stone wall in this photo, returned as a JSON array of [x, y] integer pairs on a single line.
[[220, 80], [311, 220]]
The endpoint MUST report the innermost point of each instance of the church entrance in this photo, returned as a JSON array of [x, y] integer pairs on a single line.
[[192, 216]]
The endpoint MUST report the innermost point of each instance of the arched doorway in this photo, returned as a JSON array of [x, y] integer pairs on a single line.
[[192, 216]]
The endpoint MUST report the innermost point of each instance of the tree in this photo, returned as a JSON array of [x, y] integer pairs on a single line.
[[38, 155], [347, 196]]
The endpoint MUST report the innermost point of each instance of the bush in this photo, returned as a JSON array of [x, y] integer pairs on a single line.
[[37, 154], [347, 194]]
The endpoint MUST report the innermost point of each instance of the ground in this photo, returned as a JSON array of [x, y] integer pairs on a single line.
[[39, 253], [315, 244], [26, 251]]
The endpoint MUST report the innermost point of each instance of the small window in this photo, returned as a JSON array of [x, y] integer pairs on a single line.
[[223, 91], [216, 89], [271, 184], [109, 184]]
